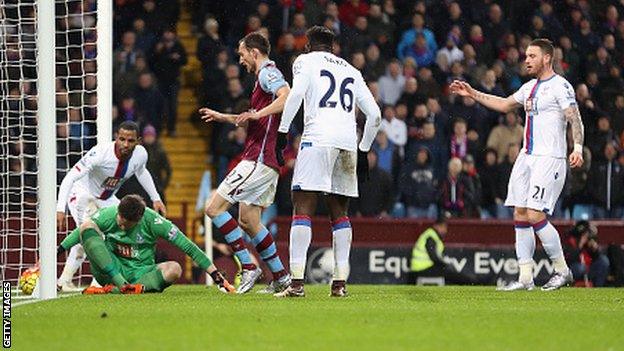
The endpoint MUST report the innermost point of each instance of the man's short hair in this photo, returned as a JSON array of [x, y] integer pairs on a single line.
[[129, 125], [545, 45], [255, 40], [131, 208], [320, 37]]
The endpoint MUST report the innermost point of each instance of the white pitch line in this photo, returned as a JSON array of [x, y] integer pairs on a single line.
[[22, 303]]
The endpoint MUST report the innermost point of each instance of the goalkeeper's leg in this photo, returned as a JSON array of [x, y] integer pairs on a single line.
[[101, 257]]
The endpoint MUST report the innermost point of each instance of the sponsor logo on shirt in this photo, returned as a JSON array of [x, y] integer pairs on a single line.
[[111, 183], [172, 233]]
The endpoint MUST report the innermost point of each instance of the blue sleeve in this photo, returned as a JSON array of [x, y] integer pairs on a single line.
[[271, 79], [408, 38]]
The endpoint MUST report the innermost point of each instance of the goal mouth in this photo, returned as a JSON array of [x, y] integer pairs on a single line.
[[56, 86]]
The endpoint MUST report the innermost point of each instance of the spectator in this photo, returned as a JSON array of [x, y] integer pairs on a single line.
[[617, 114], [607, 184], [375, 66], [576, 196], [394, 128], [489, 173], [349, 10], [460, 146], [455, 190], [385, 152], [409, 37], [376, 194], [391, 84], [157, 162], [167, 60], [449, 54], [417, 186], [286, 52], [380, 27], [125, 82], [505, 168], [411, 96], [145, 39], [298, 30], [359, 37], [149, 101], [590, 267], [472, 205], [126, 55], [602, 136], [209, 44], [482, 47], [505, 134]]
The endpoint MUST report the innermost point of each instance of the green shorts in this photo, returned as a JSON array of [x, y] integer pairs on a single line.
[[132, 274]]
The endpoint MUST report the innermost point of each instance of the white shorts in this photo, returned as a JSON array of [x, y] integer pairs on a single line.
[[326, 169], [83, 205], [536, 182], [251, 183]]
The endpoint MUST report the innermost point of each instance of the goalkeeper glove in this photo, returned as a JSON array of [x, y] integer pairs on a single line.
[[59, 250], [280, 145], [362, 166]]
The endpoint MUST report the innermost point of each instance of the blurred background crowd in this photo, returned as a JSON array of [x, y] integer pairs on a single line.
[[435, 151]]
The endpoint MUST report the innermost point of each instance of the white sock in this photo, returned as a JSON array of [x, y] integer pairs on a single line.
[[300, 238], [342, 236], [525, 248], [74, 260], [552, 244]]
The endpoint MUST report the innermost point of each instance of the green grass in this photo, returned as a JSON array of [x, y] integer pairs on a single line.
[[372, 318]]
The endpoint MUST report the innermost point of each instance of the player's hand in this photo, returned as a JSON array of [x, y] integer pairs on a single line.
[[246, 116], [209, 115], [60, 221], [461, 88], [159, 207], [280, 145], [362, 166], [576, 159]]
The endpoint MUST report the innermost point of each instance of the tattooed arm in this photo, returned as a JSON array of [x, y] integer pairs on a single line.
[[490, 101], [573, 116]]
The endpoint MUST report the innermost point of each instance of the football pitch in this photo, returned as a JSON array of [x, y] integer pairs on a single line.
[[373, 317]]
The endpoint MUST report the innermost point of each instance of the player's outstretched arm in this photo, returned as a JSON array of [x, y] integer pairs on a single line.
[[171, 233], [147, 182], [490, 101], [210, 115], [274, 107], [573, 116]]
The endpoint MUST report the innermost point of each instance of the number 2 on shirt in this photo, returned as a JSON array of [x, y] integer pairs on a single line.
[[344, 91]]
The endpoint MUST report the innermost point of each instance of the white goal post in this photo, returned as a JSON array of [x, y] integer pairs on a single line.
[[56, 91]]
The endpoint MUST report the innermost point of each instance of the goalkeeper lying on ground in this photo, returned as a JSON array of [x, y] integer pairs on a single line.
[[120, 242]]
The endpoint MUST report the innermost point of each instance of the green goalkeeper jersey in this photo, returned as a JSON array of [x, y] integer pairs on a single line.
[[136, 247]]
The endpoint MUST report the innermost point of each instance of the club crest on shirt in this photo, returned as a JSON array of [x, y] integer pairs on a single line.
[[530, 106]]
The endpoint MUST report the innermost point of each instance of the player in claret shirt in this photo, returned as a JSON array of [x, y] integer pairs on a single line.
[[253, 182], [120, 242]]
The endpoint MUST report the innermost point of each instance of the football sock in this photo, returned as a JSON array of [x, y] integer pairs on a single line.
[[99, 256], [552, 244], [265, 246], [525, 248], [234, 237], [74, 260], [342, 236], [300, 238], [153, 281]]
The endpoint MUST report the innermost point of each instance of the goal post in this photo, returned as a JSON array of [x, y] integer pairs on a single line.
[[55, 104], [46, 147]]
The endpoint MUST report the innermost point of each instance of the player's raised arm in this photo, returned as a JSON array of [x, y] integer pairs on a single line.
[[490, 101]]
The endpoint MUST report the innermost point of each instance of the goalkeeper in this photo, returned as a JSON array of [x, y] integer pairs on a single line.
[[120, 242]]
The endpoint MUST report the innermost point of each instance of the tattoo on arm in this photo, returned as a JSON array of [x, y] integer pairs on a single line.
[[573, 115]]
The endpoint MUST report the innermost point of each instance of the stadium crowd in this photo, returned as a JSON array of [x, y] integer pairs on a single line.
[[436, 151], [439, 152]]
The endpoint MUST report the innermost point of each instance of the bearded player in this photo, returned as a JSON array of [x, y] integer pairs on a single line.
[[253, 182], [92, 183], [539, 173], [120, 242]]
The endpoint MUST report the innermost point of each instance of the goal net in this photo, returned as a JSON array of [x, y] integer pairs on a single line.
[[63, 36]]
